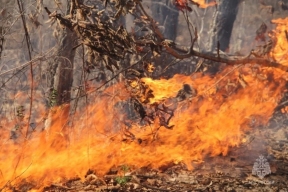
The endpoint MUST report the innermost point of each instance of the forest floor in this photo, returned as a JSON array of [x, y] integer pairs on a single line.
[[177, 178], [232, 172]]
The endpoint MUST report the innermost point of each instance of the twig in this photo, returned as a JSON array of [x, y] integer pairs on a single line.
[[84, 72], [10, 181], [173, 62], [188, 25], [199, 64], [281, 105], [82, 82], [1, 44], [27, 63], [76, 46], [28, 42], [4, 83], [227, 60], [153, 23], [195, 38], [23, 66], [236, 67], [218, 49], [123, 70]]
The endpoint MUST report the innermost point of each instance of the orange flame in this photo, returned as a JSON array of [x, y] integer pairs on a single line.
[[203, 4], [183, 4], [210, 123], [280, 50]]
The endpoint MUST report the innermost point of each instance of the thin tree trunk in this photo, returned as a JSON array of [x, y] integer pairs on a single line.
[[61, 83], [62, 69], [222, 26]]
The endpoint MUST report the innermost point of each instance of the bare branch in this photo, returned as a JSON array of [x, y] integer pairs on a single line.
[[116, 75], [175, 51], [28, 42]]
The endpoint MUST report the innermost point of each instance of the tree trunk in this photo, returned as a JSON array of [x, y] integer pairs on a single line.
[[60, 85], [222, 25], [62, 69], [166, 14]]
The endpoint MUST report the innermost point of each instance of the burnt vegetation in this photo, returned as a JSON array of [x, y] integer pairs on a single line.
[[129, 56]]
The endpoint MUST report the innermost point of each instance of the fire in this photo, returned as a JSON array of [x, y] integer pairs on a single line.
[[183, 4], [209, 123], [280, 50], [203, 4], [163, 89]]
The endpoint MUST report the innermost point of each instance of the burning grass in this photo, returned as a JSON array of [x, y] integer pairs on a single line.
[[208, 124]]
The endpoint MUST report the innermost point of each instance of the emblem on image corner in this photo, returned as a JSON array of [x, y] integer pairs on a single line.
[[261, 167]]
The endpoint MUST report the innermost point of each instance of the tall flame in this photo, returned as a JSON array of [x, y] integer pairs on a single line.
[[210, 123]]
